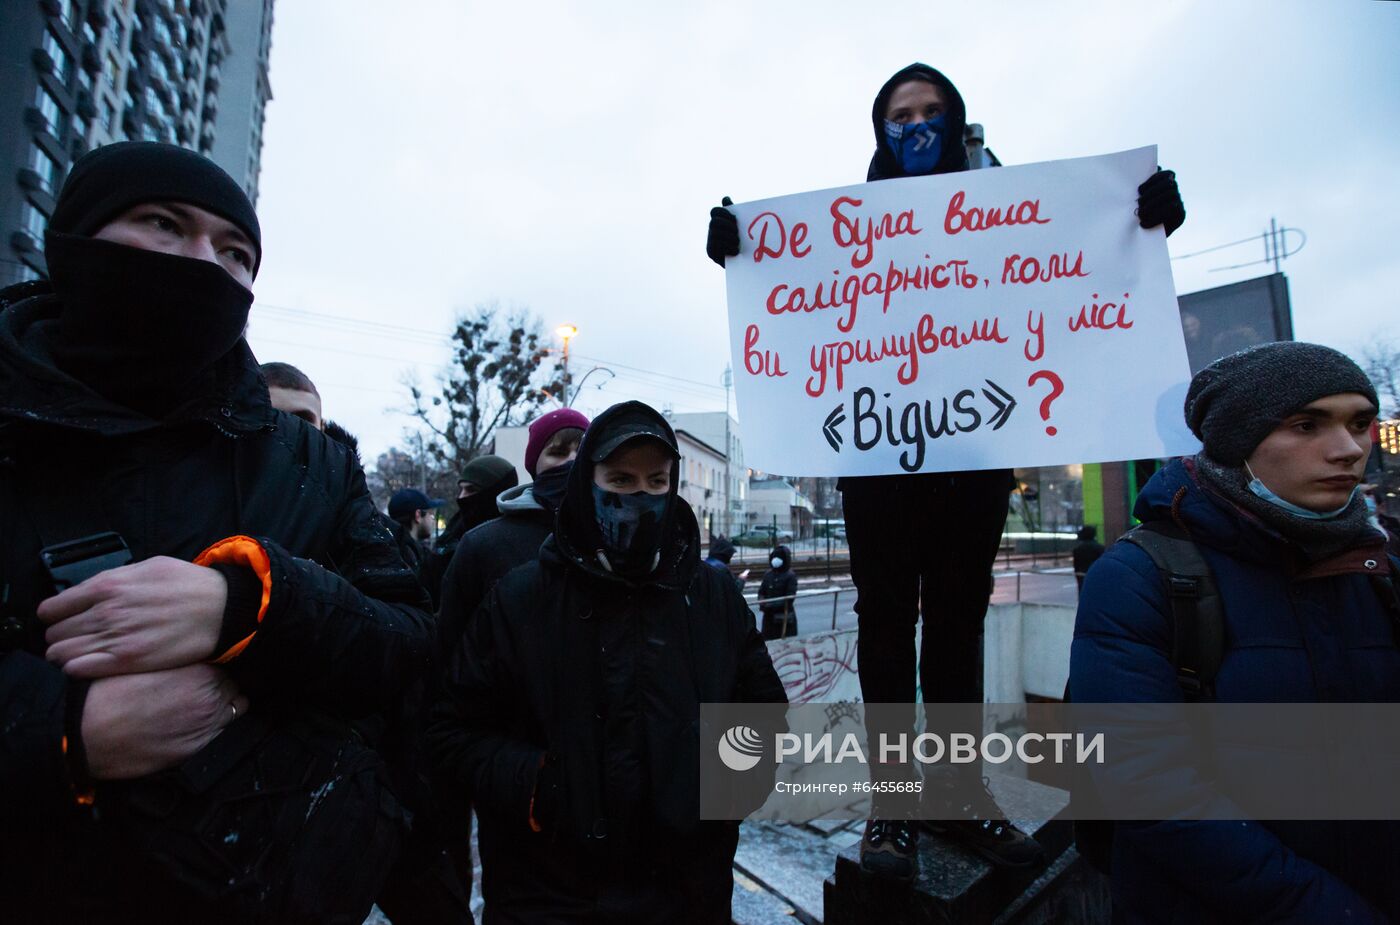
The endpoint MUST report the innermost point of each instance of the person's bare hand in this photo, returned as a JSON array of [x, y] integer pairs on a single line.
[[137, 724], [157, 614]]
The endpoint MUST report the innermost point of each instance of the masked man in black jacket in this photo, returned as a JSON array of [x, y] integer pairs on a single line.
[[572, 703], [923, 545], [177, 740]]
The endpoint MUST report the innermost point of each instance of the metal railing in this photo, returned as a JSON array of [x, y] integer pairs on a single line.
[[1044, 566], [814, 592]]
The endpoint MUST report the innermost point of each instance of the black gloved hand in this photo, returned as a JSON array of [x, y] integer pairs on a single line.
[[1159, 202], [724, 233]]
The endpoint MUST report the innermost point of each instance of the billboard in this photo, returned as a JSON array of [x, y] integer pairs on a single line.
[[1220, 321]]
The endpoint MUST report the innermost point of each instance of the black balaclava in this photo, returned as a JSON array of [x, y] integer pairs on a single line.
[[579, 520], [480, 506], [109, 180], [138, 326], [884, 165]]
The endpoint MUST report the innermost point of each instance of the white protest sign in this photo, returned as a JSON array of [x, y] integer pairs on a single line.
[[1016, 316]]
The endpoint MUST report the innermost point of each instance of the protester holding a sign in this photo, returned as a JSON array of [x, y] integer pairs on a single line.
[[930, 536], [1301, 607]]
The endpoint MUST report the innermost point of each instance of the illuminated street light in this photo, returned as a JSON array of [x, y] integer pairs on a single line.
[[566, 332]]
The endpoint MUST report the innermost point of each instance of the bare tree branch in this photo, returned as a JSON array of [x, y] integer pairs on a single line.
[[499, 376], [1381, 361]]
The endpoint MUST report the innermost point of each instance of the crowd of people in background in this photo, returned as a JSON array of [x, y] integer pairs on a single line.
[[232, 690]]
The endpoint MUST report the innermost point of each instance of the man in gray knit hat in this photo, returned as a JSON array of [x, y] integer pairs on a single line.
[[1283, 427], [1272, 506]]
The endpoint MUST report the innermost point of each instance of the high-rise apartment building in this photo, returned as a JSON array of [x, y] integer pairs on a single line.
[[77, 74]]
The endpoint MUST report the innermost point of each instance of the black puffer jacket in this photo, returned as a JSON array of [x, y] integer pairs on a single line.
[[486, 553], [603, 678], [345, 629]]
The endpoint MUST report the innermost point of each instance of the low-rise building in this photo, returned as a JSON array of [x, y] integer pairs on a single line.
[[776, 502], [721, 433], [702, 482]]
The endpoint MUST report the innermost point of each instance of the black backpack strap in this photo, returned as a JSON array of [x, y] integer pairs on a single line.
[[1198, 620]]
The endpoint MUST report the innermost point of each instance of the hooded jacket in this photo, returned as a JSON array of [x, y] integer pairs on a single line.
[[778, 582], [345, 626], [721, 551], [599, 678], [488, 552], [883, 164], [1292, 636]]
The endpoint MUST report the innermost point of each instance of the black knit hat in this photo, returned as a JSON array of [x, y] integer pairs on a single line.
[[108, 180], [1237, 401]]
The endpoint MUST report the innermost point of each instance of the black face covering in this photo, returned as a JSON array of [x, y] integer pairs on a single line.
[[631, 528], [138, 326], [548, 487], [478, 508]]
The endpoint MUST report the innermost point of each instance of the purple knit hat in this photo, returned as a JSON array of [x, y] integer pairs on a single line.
[[545, 427]]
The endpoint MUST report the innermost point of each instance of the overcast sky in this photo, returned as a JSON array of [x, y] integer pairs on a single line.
[[424, 157]]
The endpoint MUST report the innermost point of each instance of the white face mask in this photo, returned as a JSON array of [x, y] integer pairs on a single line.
[[777, 563]]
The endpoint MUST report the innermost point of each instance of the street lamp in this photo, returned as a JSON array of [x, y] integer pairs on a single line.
[[584, 378], [566, 332]]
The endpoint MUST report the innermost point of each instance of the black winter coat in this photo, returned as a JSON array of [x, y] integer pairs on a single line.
[[345, 629], [602, 678], [486, 553], [778, 583]]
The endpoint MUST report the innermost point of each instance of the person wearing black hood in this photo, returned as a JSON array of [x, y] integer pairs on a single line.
[[264, 609], [493, 548], [571, 706], [775, 596], [722, 551], [934, 555]]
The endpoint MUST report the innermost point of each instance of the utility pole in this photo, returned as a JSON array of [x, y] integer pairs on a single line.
[[1272, 249], [728, 448]]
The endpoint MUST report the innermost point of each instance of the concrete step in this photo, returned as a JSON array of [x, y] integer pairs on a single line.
[[954, 885]]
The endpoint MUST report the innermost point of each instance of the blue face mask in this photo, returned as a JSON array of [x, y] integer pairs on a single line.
[[1263, 491], [630, 526], [918, 145]]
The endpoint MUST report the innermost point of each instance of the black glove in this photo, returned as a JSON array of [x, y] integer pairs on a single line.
[[1159, 202], [724, 233]]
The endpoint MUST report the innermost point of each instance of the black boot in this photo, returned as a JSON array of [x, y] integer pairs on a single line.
[[890, 849], [961, 805]]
